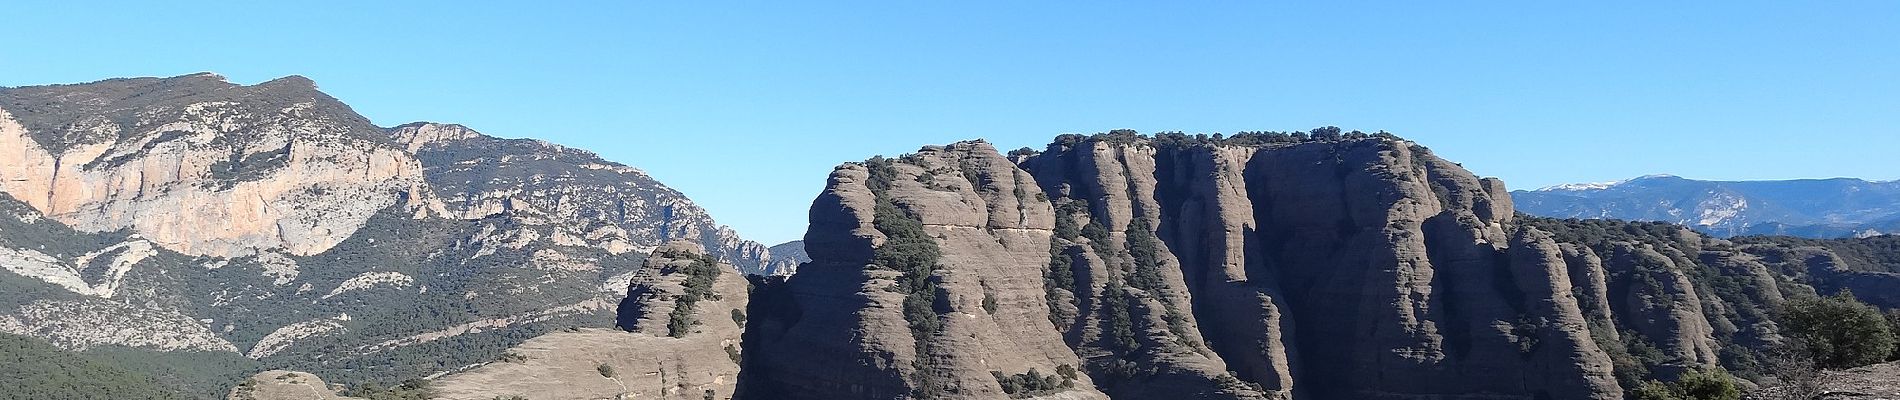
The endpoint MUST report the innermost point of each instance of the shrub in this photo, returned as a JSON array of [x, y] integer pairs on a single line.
[[1839, 331], [1698, 385], [910, 251], [512, 357], [605, 370], [413, 389], [1121, 325], [1032, 382], [1893, 325], [680, 321], [989, 302]]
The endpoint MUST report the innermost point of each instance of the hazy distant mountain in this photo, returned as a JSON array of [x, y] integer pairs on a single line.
[[785, 258], [1839, 207]]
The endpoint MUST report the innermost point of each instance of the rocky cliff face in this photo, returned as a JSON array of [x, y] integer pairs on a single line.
[[599, 203], [861, 322], [200, 165], [683, 317], [1260, 266], [270, 222]]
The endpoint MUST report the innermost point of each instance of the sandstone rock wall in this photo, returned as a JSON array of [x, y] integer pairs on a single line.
[[1363, 268], [838, 328]]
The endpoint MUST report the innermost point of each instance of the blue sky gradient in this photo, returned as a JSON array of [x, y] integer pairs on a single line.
[[746, 106]]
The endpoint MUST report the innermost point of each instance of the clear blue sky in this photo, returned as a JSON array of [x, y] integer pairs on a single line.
[[746, 106]]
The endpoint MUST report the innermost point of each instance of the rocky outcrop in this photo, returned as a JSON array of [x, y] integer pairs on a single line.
[[1332, 269], [1260, 266], [954, 315], [682, 318]]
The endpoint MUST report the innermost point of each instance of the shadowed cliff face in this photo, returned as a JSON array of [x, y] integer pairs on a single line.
[[1357, 267], [1333, 269]]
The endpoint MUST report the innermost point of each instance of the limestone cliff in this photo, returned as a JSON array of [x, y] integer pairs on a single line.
[[598, 203], [200, 165], [854, 323], [271, 222], [207, 167]]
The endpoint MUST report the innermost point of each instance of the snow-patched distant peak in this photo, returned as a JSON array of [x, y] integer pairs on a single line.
[[1578, 187]]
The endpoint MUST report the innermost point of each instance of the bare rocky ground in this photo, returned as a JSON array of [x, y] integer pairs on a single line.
[[567, 365], [1873, 382], [286, 385]]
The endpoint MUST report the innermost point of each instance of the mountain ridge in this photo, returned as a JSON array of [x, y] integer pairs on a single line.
[[1827, 207], [270, 223]]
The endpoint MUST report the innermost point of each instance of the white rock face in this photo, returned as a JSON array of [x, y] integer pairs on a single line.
[[164, 183], [113, 263], [281, 269], [79, 325], [34, 264], [282, 338], [369, 279]]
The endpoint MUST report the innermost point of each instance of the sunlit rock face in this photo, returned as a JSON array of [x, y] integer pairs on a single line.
[[272, 222], [199, 165], [1321, 266]]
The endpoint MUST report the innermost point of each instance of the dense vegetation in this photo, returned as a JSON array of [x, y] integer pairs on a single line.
[[1877, 253], [1058, 279], [33, 369], [912, 253], [1698, 385], [1832, 332], [196, 374], [1034, 382], [1243, 138], [1839, 331], [700, 274]]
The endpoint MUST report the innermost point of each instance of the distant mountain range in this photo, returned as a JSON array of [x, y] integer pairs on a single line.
[[1819, 208]]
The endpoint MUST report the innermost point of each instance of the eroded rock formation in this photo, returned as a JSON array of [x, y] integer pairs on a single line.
[[1337, 267], [682, 318]]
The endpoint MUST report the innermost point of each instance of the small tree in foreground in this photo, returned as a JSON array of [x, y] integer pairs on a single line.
[[1698, 385], [1839, 330]]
